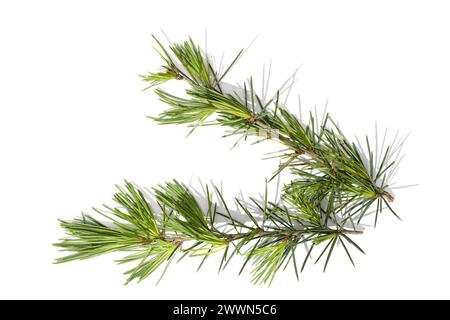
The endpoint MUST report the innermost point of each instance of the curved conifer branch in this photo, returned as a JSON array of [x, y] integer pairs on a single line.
[[336, 184]]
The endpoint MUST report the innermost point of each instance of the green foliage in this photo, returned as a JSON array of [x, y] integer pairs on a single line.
[[183, 110], [267, 260], [150, 259], [158, 78], [192, 59], [191, 220], [335, 185], [129, 227], [179, 225]]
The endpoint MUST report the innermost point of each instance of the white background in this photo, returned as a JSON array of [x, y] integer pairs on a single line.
[[72, 124]]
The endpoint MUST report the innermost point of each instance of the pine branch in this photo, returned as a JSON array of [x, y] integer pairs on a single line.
[[336, 184], [178, 225]]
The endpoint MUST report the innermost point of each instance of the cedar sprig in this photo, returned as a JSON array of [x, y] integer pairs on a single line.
[[336, 184], [178, 225], [317, 147]]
